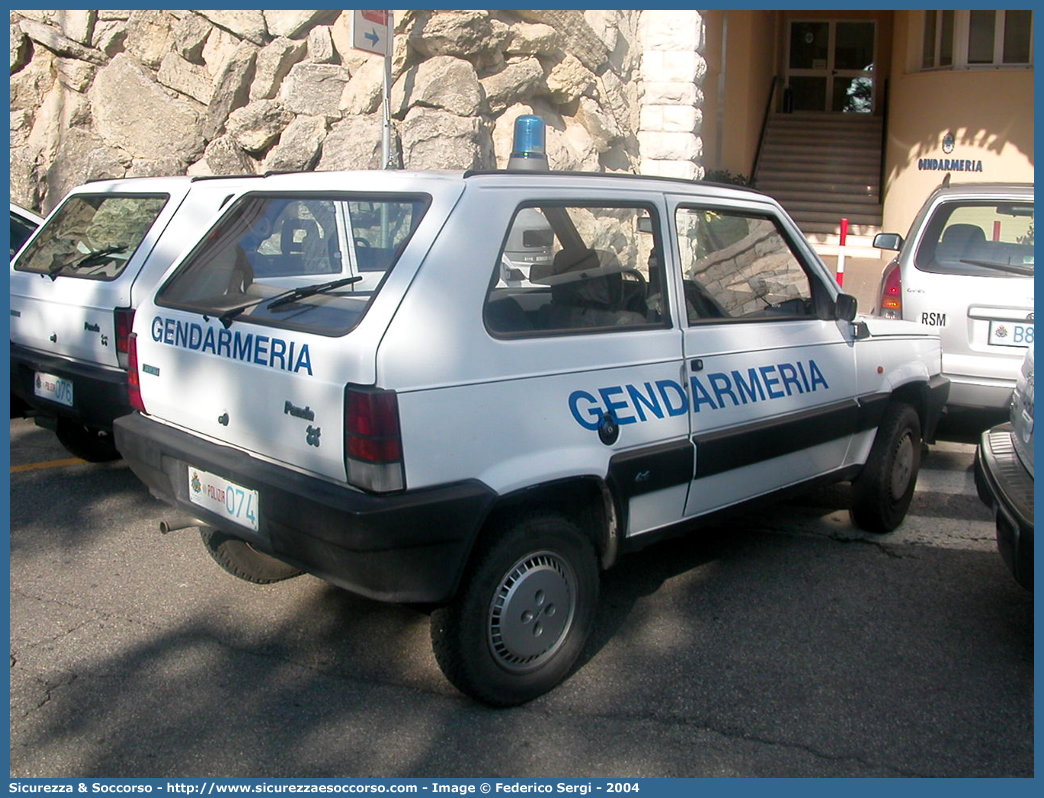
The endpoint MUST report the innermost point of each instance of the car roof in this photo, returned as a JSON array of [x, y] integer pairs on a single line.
[[407, 180], [18, 210], [984, 190], [147, 184]]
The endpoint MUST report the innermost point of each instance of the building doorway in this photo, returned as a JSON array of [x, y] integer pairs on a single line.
[[830, 66]]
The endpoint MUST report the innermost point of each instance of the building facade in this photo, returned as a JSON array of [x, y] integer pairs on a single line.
[[860, 114]]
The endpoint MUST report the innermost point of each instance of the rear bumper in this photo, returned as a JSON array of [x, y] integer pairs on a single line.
[[975, 392], [406, 547], [1004, 484], [99, 394]]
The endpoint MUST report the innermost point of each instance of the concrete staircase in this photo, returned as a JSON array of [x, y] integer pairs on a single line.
[[822, 167]]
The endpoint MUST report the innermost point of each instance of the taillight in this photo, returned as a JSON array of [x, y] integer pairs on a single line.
[[892, 293], [133, 381], [124, 318], [373, 440]]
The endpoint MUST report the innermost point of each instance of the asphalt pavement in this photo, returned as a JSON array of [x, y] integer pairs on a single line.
[[780, 644]]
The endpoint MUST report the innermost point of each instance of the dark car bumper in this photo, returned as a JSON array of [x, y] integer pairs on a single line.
[[1005, 485], [99, 394], [406, 547]]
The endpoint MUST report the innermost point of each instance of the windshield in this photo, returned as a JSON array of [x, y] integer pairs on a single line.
[[987, 238], [92, 236], [300, 261]]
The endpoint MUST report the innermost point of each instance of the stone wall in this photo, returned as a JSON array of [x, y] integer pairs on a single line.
[[97, 94]]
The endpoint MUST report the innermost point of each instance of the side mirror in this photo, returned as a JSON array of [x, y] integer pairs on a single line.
[[845, 307], [888, 241]]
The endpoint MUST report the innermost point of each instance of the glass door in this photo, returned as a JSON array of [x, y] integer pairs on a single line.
[[830, 66]]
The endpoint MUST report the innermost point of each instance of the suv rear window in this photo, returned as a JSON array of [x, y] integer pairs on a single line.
[[978, 238], [92, 236], [304, 262]]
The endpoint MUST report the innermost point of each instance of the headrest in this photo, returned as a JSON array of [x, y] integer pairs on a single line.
[[597, 280], [574, 260], [287, 240], [963, 235]]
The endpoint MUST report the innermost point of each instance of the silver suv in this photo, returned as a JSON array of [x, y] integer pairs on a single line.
[[966, 270], [1004, 478]]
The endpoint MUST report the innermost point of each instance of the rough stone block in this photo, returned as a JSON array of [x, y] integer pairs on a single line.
[[314, 89], [355, 143], [273, 64], [185, 77], [255, 126], [244, 24], [132, 126], [436, 139], [298, 147], [296, 24]]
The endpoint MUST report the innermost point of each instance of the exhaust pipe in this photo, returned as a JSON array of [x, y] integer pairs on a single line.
[[177, 524]]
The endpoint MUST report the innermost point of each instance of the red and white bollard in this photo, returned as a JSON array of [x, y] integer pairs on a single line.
[[841, 253]]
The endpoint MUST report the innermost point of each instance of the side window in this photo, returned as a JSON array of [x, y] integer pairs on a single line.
[[567, 269], [380, 230], [739, 266]]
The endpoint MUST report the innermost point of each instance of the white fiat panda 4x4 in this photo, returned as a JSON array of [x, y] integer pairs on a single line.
[[453, 435], [74, 288]]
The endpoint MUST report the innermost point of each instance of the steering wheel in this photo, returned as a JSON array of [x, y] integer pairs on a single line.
[[361, 242], [634, 290]]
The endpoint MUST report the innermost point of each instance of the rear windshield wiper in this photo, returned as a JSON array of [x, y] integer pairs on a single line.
[[1025, 269], [287, 297], [87, 260]]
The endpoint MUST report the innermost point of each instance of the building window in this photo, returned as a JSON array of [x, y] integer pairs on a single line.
[[1017, 37], [968, 39]]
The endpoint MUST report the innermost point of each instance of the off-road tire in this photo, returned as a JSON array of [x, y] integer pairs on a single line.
[[242, 560], [882, 492], [523, 612]]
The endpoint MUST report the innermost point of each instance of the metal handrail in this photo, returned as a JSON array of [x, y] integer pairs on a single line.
[[773, 84]]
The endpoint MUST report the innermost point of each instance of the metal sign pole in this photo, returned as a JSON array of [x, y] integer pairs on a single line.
[[386, 122], [386, 126]]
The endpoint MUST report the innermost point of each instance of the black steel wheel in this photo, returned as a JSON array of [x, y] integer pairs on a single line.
[[882, 492]]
